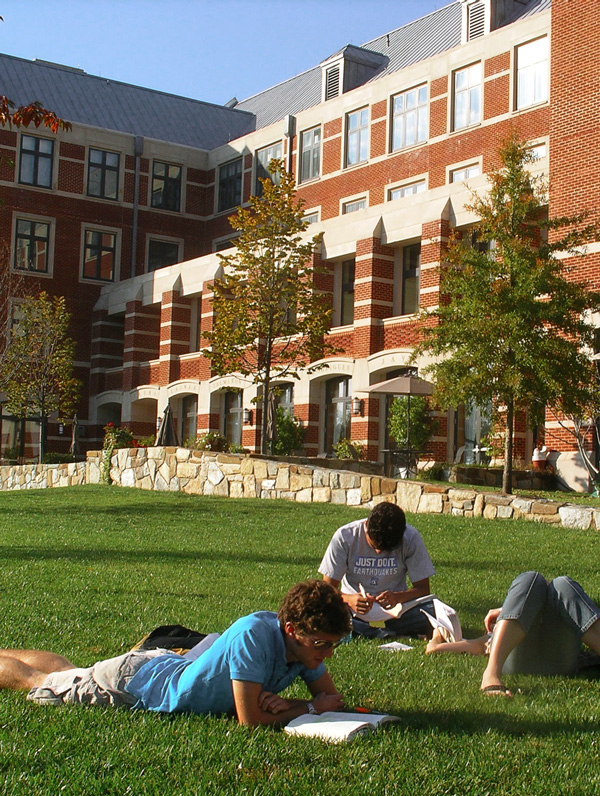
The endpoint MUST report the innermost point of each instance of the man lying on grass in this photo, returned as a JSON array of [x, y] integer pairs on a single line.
[[538, 630], [241, 673]]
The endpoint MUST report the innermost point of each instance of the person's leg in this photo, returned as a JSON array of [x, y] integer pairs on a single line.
[[524, 602], [24, 669], [577, 609]]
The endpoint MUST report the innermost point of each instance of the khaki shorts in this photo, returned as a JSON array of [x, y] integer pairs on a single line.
[[102, 684]]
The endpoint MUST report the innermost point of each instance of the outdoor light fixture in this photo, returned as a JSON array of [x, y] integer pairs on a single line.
[[247, 416], [357, 406]]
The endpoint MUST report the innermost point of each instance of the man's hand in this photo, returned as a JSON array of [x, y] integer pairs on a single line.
[[323, 702], [388, 599], [359, 603], [272, 703], [491, 619]]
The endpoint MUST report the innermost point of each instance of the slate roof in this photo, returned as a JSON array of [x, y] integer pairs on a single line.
[[99, 102], [430, 35], [96, 101]]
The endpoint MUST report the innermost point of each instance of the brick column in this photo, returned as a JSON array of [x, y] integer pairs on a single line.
[[373, 294], [141, 339], [175, 321]]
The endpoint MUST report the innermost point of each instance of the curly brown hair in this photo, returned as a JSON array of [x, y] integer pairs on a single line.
[[315, 607]]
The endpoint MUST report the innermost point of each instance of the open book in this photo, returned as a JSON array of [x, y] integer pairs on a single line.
[[378, 613], [337, 727]]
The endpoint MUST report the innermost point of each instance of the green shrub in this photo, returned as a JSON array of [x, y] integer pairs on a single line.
[[290, 433], [417, 433], [346, 449], [58, 458], [211, 441]]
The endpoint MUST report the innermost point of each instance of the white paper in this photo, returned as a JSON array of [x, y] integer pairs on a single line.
[[395, 646]]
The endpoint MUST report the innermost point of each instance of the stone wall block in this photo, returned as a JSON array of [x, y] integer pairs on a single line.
[[283, 478], [353, 497], [408, 495], [321, 494], [431, 503], [365, 490], [349, 481], [298, 482], [575, 517], [304, 495]]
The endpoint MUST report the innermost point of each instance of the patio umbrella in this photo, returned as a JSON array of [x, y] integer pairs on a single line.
[[74, 449], [166, 434]]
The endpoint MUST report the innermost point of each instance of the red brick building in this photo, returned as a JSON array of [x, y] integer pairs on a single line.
[[385, 141]]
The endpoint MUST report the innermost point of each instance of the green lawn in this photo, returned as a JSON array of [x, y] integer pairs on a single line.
[[87, 571]]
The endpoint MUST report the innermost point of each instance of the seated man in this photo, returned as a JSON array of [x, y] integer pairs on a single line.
[[241, 673], [538, 630], [371, 559]]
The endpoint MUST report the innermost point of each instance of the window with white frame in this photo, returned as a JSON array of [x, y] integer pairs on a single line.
[[407, 279], [32, 246], [357, 137], [230, 185], [310, 154], [344, 284], [354, 205], [467, 96], [465, 172], [410, 189], [538, 151], [99, 255], [263, 158], [166, 186], [409, 117], [311, 218], [532, 73], [162, 253], [103, 174], [35, 166]]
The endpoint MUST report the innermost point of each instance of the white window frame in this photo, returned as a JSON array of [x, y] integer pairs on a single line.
[[472, 88], [354, 205], [406, 189], [360, 133], [455, 175], [538, 71], [51, 222], [309, 151], [310, 212], [403, 118], [163, 239], [270, 151], [87, 227], [337, 291]]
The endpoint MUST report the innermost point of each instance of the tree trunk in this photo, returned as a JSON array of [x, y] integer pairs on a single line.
[[508, 449], [264, 441]]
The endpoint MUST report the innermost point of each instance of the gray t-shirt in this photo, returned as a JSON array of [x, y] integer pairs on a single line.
[[351, 560]]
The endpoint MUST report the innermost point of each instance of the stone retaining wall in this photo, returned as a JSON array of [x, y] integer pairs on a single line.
[[239, 476]]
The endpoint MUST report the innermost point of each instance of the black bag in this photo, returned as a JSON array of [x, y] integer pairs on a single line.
[[170, 637]]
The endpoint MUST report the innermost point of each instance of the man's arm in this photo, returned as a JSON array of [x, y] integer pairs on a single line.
[[255, 707], [388, 599], [358, 603]]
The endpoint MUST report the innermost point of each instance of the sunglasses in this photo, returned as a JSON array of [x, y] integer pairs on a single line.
[[321, 644]]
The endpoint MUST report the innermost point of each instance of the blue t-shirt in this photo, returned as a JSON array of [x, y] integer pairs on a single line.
[[252, 649]]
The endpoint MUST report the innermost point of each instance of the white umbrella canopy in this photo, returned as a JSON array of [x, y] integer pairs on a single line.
[[403, 385]]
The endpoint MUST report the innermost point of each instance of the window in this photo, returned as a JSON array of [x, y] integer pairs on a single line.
[[226, 243], [406, 300], [345, 292], [532, 73], [357, 137], [465, 172], [337, 411], [99, 255], [162, 253], [409, 189], [32, 246], [310, 154], [263, 158], [166, 186], [354, 205], [311, 218], [232, 417], [284, 397], [196, 325], [538, 151], [332, 82], [230, 185], [467, 96], [189, 418], [35, 166], [409, 118], [103, 174]]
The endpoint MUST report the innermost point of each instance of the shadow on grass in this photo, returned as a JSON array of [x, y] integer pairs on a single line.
[[461, 722]]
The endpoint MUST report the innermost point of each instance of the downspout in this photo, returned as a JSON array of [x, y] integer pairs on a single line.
[[138, 148], [289, 132]]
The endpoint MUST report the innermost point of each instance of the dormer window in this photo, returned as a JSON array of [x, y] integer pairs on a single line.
[[348, 69], [332, 82], [476, 19]]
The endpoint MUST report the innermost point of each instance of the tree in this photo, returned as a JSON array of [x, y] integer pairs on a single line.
[[270, 322], [26, 115], [37, 370], [511, 325]]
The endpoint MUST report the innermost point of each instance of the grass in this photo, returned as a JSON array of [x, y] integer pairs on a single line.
[[88, 571]]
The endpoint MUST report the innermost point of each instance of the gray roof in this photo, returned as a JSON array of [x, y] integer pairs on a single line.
[[78, 97], [425, 37]]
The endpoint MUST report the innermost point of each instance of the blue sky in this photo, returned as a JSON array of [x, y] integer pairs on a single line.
[[207, 49]]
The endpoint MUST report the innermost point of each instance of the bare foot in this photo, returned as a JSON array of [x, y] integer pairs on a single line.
[[437, 639]]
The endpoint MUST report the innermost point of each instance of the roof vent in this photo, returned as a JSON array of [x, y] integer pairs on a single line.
[[332, 82], [476, 21]]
